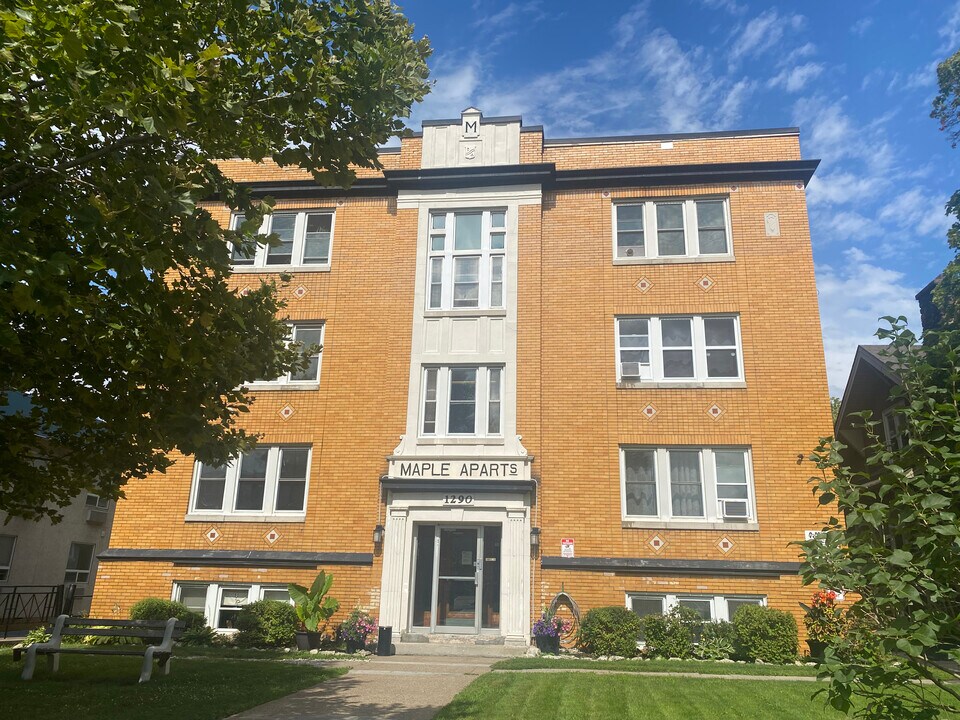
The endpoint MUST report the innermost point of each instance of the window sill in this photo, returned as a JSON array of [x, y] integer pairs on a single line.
[[654, 524], [465, 312], [261, 386], [268, 269], [459, 441], [674, 260], [686, 384], [229, 517]]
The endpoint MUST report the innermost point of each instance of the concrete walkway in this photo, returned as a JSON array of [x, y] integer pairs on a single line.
[[401, 686]]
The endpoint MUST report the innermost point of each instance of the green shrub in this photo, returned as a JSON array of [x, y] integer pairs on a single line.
[[37, 635], [108, 639], [610, 631], [765, 634], [157, 610], [672, 634], [267, 623], [198, 636], [716, 641]]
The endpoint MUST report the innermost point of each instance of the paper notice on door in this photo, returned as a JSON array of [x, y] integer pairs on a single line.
[[566, 547], [466, 557]]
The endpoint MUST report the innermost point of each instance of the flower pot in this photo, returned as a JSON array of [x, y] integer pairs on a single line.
[[547, 644], [354, 645], [309, 640], [816, 649]]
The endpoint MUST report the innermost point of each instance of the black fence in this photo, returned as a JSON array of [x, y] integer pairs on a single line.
[[24, 607]]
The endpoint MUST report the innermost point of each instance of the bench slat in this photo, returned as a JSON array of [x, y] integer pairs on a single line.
[[119, 632], [97, 651], [81, 622]]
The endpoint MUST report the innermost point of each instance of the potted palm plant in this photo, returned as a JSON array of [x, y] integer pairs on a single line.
[[314, 609]]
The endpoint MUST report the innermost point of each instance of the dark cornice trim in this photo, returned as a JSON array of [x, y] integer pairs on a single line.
[[458, 177], [761, 132], [546, 175], [708, 173], [671, 566], [483, 121], [236, 558], [473, 486]]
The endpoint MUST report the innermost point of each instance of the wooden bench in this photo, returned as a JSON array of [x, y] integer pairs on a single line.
[[158, 637]]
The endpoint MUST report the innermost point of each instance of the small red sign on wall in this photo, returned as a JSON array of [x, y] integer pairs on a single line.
[[566, 547]]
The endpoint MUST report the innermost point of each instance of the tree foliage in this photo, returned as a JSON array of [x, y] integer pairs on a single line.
[[117, 319], [895, 541], [946, 109]]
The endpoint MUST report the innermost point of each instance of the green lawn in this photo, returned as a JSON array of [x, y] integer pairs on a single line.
[[106, 687], [705, 667], [586, 696]]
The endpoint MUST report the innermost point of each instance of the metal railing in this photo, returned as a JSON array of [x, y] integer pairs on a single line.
[[24, 607]]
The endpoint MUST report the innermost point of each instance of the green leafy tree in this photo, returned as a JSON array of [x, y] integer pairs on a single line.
[[946, 109], [895, 542], [835, 403], [117, 321]]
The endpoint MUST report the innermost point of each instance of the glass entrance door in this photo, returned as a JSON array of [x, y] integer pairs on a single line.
[[456, 583]]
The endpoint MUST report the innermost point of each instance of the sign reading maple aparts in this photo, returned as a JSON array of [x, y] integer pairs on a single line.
[[459, 469]]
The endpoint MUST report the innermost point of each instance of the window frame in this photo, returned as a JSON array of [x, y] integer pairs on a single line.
[[259, 264], [691, 227], [99, 503], [708, 485], [5, 567], [449, 255], [655, 374], [482, 401], [227, 509], [213, 595], [285, 381], [77, 571], [894, 428], [719, 608]]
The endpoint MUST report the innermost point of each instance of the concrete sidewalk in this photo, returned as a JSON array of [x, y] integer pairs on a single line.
[[401, 686]]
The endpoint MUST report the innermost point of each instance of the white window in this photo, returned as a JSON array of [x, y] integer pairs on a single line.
[[673, 348], [221, 604], [894, 429], [79, 560], [462, 400], [7, 544], [709, 607], [308, 337], [95, 501], [304, 242], [465, 260], [680, 484], [268, 480], [676, 228]]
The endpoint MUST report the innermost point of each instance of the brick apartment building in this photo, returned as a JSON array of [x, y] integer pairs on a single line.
[[586, 364]]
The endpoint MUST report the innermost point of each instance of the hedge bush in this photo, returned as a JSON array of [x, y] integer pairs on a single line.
[[159, 610], [672, 634], [610, 631], [267, 623], [765, 634], [716, 641]]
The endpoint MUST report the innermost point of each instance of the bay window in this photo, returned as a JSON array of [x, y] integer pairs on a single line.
[[461, 401], [465, 260]]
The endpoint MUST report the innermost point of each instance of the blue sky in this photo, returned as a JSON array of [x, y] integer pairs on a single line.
[[857, 78]]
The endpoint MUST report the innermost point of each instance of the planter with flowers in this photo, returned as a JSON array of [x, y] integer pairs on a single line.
[[547, 632], [824, 620], [355, 629]]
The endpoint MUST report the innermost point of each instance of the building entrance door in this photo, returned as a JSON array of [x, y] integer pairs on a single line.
[[456, 583]]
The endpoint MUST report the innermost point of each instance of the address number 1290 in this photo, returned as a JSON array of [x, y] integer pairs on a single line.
[[458, 499]]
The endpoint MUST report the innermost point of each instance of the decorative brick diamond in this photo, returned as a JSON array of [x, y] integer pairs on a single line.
[[706, 283], [734, 188], [725, 545], [299, 291], [643, 285], [605, 193], [272, 536], [716, 411], [650, 411], [286, 412], [212, 535], [657, 543], [243, 292]]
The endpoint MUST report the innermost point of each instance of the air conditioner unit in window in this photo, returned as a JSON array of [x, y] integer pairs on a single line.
[[96, 516], [735, 509], [634, 370]]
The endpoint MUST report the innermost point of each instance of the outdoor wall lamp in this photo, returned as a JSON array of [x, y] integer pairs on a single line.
[[534, 538], [378, 535]]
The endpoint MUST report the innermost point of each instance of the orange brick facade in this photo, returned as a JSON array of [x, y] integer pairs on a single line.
[[571, 413]]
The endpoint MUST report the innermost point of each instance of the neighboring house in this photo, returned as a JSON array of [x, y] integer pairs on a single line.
[[579, 364], [37, 555]]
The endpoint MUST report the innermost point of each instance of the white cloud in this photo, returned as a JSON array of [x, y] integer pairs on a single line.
[[763, 32], [841, 187], [455, 84], [852, 298], [512, 14], [950, 30], [729, 6], [861, 26], [917, 212], [796, 78]]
